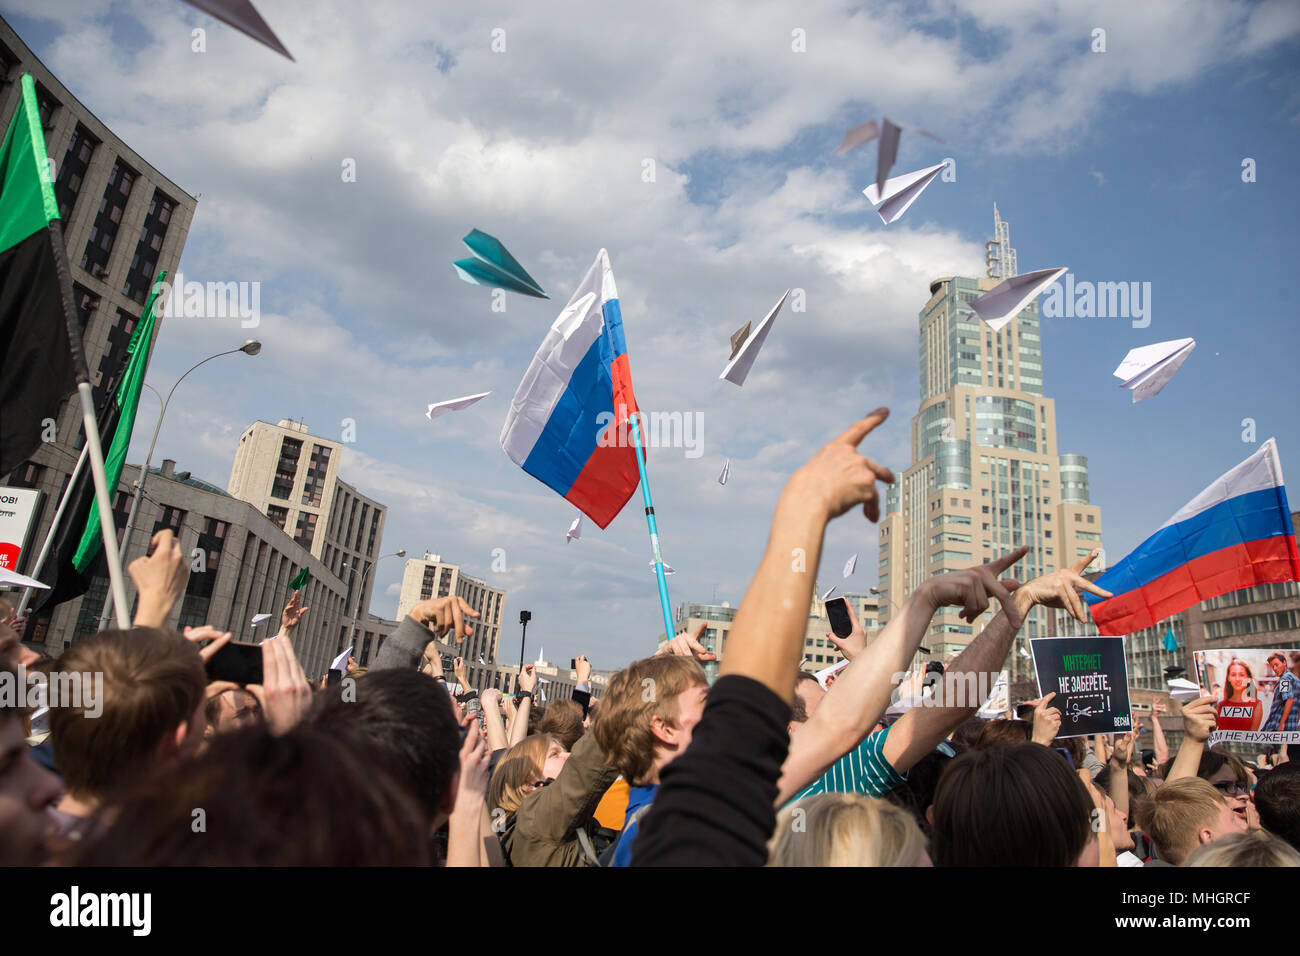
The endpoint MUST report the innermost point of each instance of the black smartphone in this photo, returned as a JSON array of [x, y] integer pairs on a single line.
[[238, 663], [335, 677], [573, 663], [837, 609]]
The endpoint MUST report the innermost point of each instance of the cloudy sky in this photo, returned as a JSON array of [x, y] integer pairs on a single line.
[[1125, 165]]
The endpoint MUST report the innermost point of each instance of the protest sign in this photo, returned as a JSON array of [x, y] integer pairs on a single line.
[[1089, 676], [1256, 692]]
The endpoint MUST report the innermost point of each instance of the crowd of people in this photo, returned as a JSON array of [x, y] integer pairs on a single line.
[[765, 766]]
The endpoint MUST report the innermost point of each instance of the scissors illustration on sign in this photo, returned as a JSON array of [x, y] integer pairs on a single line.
[[1076, 712]]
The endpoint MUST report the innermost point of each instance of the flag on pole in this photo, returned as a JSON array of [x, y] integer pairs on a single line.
[[568, 422], [1171, 642], [39, 371], [1235, 534], [79, 542]]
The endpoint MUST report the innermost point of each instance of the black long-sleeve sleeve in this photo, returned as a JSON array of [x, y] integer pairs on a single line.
[[583, 697], [716, 802]]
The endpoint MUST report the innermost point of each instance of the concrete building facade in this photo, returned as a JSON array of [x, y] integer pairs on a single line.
[[986, 475]]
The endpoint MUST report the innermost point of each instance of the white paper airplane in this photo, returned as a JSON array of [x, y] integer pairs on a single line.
[[575, 530], [726, 473], [668, 568], [826, 596], [340, 663], [259, 619], [1001, 303], [889, 133], [12, 579], [901, 192], [850, 564], [826, 672], [1148, 369], [739, 366], [243, 16], [1183, 689], [438, 409], [1025, 654]]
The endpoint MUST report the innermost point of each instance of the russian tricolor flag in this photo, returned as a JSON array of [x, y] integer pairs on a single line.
[[567, 425], [1235, 534]]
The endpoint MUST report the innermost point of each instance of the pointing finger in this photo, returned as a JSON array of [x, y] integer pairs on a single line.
[[860, 429]]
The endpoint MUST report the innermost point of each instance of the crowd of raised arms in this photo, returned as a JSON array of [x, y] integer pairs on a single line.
[[763, 767]]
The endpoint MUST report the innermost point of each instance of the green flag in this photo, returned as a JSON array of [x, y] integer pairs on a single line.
[[33, 329], [122, 408], [300, 580]]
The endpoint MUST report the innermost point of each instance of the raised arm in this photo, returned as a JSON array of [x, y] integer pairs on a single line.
[[160, 580], [1158, 742], [526, 684], [490, 701], [766, 640], [1198, 724], [861, 692]]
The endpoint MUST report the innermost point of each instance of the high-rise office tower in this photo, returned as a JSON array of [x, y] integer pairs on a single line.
[[986, 476]]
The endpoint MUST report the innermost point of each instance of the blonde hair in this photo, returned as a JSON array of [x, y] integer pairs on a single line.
[[519, 769], [645, 689], [1253, 848], [845, 829], [1177, 812]]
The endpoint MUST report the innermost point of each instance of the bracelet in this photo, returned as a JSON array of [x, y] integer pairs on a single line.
[[441, 678], [519, 694]]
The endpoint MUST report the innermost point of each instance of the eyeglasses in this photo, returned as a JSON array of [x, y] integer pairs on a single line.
[[1231, 788]]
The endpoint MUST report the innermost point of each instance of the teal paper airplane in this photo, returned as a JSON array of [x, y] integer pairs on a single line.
[[493, 266]]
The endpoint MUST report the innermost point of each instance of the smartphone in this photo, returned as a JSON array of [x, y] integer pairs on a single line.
[[335, 677], [472, 707], [238, 663], [837, 609], [1066, 754], [573, 663]]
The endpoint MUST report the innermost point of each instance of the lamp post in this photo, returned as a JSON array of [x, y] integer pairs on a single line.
[[399, 553], [250, 347]]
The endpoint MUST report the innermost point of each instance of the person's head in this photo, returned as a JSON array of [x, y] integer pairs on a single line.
[[230, 710], [1228, 775], [251, 798], [402, 719], [1241, 682], [1074, 747], [523, 769], [1295, 663], [807, 695], [1184, 814], [27, 791], [1003, 733], [967, 732], [1014, 805], [151, 706], [648, 715], [846, 829], [563, 721], [1277, 663], [922, 781], [1277, 799], [1248, 848]]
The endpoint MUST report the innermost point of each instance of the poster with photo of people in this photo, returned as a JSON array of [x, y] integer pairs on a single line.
[[1256, 692]]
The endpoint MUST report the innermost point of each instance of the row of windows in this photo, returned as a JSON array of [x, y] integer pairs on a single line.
[[1253, 624]]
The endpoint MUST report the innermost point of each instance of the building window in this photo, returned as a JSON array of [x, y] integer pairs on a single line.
[[277, 515], [306, 529], [72, 172], [286, 469], [104, 231], [171, 519], [317, 467], [139, 277]]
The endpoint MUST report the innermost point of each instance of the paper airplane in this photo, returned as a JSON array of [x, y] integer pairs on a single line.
[[438, 409], [12, 579], [1001, 303], [493, 266], [888, 133], [259, 619], [340, 663], [1182, 689], [241, 15], [668, 568], [826, 672], [900, 192], [826, 596], [1148, 369], [481, 661], [575, 530], [726, 473], [1024, 653], [739, 365], [738, 339], [857, 136], [850, 564]]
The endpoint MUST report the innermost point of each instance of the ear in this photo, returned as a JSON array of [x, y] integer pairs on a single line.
[[662, 732], [1204, 835], [449, 798], [929, 814]]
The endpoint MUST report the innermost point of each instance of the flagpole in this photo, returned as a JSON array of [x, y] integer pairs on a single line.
[[654, 529], [117, 584], [54, 527]]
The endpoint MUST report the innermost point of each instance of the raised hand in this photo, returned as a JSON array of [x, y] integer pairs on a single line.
[[445, 615], [160, 578], [855, 643], [1060, 589], [292, 613], [970, 589], [687, 644], [583, 669], [197, 635], [1123, 749], [1199, 718], [284, 693], [1047, 720], [461, 674], [528, 678], [838, 477]]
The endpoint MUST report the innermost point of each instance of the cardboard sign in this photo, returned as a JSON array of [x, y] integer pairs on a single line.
[[17, 506], [1256, 693], [1089, 676]]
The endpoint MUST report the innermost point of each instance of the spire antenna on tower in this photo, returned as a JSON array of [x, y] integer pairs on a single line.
[[998, 254]]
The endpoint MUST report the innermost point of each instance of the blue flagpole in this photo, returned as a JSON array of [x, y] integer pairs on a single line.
[[654, 529]]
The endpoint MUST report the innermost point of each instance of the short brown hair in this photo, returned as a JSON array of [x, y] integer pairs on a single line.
[[638, 693], [153, 682], [519, 767], [1177, 812], [563, 721], [1001, 733]]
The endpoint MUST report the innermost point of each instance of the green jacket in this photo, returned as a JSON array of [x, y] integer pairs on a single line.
[[544, 830]]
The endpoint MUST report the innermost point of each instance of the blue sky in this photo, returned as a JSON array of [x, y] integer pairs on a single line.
[[1123, 166]]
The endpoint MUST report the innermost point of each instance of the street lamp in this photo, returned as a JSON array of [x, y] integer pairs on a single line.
[[399, 553], [250, 347]]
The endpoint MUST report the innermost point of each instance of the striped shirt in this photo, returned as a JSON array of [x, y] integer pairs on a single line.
[[863, 769]]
